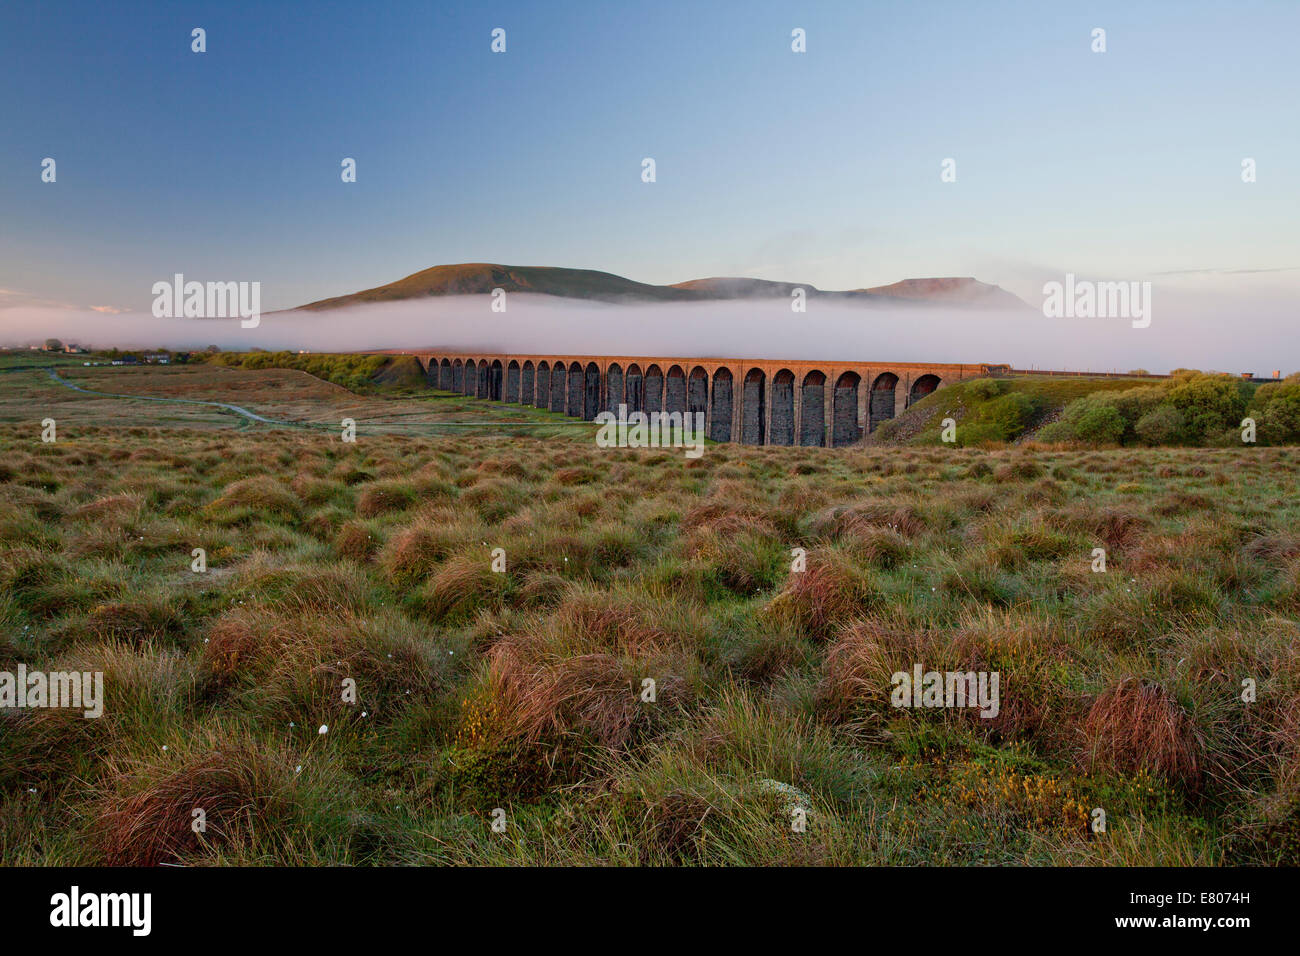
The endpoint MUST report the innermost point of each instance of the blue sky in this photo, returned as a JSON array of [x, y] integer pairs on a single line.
[[820, 167]]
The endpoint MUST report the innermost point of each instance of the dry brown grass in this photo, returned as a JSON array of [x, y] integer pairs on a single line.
[[543, 697], [828, 593], [237, 787], [1137, 725]]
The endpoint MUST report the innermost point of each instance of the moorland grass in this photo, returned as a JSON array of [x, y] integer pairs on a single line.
[[523, 689]]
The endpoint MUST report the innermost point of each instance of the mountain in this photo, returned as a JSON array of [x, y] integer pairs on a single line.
[[964, 290], [480, 278]]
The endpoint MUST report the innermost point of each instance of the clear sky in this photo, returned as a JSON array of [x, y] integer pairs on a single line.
[[820, 167]]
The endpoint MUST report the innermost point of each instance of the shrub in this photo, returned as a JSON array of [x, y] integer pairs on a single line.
[[1209, 403], [1163, 425], [987, 388], [1280, 409], [1009, 414], [1057, 431], [1100, 424]]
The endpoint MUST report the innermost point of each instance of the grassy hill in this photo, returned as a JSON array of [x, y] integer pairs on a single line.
[[974, 402], [1186, 408]]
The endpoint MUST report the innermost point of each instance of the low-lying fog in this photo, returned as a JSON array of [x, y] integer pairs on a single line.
[[1189, 327]]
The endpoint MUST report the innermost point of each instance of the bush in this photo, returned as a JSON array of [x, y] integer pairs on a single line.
[[1279, 409], [1209, 403], [1134, 403], [1094, 419], [978, 433], [1057, 431], [1008, 415], [1101, 424], [986, 388], [1163, 425]]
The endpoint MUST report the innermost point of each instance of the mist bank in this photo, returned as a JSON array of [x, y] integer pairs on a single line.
[[1192, 328]]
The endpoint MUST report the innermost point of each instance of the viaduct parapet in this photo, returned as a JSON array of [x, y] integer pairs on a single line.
[[757, 402]]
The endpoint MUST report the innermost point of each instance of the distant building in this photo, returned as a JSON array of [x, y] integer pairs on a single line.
[[73, 349], [157, 358]]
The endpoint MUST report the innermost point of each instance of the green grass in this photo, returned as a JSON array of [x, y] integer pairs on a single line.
[[522, 690]]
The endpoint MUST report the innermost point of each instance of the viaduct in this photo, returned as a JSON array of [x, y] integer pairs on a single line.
[[757, 402]]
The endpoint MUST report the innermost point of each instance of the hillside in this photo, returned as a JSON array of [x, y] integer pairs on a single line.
[[976, 403], [480, 278], [956, 291]]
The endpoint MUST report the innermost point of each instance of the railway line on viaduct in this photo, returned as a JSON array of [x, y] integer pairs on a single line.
[[756, 402]]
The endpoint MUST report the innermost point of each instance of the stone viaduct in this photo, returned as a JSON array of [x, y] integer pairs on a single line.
[[757, 402]]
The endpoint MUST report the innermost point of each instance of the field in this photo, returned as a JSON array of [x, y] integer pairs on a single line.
[[520, 696]]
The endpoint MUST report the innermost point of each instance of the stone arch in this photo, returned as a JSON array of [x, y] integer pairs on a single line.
[[697, 391], [444, 375], [458, 376], [753, 415], [591, 392], [558, 376], [543, 385], [675, 390], [495, 380], [512, 381], [471, 378], [654, 389], [882, 399], [922, 387], [635, 389], [528, 384], [721, 411], [781, 431], [844, 416], [573, 403], [613, 387], [812, 410]]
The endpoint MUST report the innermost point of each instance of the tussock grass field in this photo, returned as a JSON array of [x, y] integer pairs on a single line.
[[523, 690]]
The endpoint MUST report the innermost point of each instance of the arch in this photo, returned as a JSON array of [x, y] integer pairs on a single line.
[[512, 381], [591, 391], [558, 377], [654, 389], [573, 403], [528, 384], [720, 412], [753, 415], [697, 391], [781, 431], [844, 417], [444, 375], [882, 399], [635, 389], [495, 374], [613, 387], [675, 390], [543, 399], [471, 379], [458, 376], [812, 410], [922, 387]]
